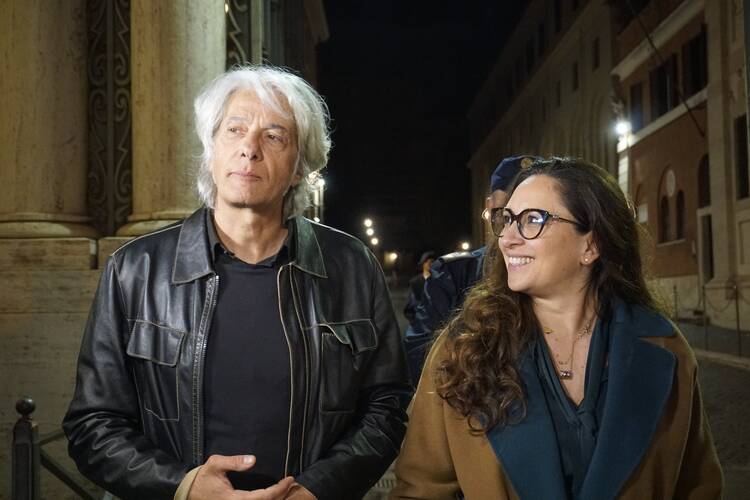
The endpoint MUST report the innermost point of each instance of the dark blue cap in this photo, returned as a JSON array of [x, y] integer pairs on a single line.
[[426, 256], [508, 169]]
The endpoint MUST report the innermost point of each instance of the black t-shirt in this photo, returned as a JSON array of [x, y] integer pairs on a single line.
[[247, 379]]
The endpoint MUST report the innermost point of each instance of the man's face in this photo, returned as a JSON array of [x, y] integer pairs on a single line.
[[255, 153], [496, 200]]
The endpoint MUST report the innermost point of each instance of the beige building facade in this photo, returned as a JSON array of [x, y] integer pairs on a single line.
[[549, 93], [97, 146]]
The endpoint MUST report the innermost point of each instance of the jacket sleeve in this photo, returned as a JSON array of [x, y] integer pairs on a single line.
[[700, 472], [424, 469], [350, 467], [439, 300], [103, 421]]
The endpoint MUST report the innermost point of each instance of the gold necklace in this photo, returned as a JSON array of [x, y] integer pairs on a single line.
[[567, 373]]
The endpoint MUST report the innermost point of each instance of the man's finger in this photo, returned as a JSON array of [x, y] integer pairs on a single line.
[[234, 462], [275, 492]]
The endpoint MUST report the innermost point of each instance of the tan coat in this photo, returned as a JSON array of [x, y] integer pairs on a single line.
[[654, 441]]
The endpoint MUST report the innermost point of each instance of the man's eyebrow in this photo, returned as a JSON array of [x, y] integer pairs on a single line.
[[276, 126], [270, 126]]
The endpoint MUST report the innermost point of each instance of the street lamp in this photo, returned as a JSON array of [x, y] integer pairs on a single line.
[[465, 246], [374, 242], [392, 257], [368, 222], [622, 128], [370, 231]]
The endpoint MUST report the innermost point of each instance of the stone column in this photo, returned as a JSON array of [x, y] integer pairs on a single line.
[[177, 47], [43, 127]]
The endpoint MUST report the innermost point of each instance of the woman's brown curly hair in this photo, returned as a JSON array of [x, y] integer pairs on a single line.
[[486, 340]]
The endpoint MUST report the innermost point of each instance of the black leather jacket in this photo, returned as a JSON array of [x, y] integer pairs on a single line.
[[135, 424]]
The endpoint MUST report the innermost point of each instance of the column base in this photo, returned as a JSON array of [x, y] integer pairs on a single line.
[[46, 229], [143, 223]]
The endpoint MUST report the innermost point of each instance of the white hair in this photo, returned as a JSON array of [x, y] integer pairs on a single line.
[[269, 84]]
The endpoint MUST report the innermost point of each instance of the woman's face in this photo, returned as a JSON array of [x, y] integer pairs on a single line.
[[557, 262]]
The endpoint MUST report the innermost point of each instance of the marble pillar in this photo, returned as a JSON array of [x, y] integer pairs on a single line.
[[177, 48]]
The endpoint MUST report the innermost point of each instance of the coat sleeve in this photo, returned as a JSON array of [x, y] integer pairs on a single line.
[[425, 469], [700, 474], [102, 423], [350, 467]]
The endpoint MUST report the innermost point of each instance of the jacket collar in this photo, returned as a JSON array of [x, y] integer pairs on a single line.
[[640, 381], [193, 256]]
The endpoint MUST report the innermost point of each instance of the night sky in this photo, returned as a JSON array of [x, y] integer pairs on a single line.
[[399, 77]]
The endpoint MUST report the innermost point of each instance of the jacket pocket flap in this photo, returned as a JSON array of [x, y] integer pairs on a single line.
[[158, 344], [358, 334]]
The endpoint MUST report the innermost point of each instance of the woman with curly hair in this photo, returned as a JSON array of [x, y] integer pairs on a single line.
[[560, 378]]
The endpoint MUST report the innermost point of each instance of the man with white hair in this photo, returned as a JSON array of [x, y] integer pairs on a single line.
[[246, 347]]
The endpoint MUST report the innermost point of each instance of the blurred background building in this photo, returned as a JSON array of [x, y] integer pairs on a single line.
[[655, 92]]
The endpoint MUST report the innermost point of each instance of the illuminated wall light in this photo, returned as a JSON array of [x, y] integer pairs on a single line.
[[368, 222], [623, 127], [370, 231], [465, 246], [375, 241]]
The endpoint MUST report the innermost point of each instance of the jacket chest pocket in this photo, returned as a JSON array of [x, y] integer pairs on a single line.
[[154, 351], [345, 350]]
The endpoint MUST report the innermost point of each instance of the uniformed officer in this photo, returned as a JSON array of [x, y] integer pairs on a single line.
[[452, 275]]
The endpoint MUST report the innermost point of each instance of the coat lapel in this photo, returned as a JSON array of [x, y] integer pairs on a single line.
[[640, 381], [528, 450]]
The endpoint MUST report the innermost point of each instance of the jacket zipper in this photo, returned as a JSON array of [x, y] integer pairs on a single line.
[[199, 360], [307, 367], [291, 370]]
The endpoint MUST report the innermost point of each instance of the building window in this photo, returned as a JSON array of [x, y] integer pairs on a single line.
[[542, 36], [636, 106], [694, 64], [663, 82], [595, 54], [530, 60], [519, 73], [558, 15], [704, 183], [680, 216], [664, 219], [741, 159], [575, 76], [558, 94]]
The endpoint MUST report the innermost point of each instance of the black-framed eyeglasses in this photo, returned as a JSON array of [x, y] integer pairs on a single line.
[[530, 221]]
